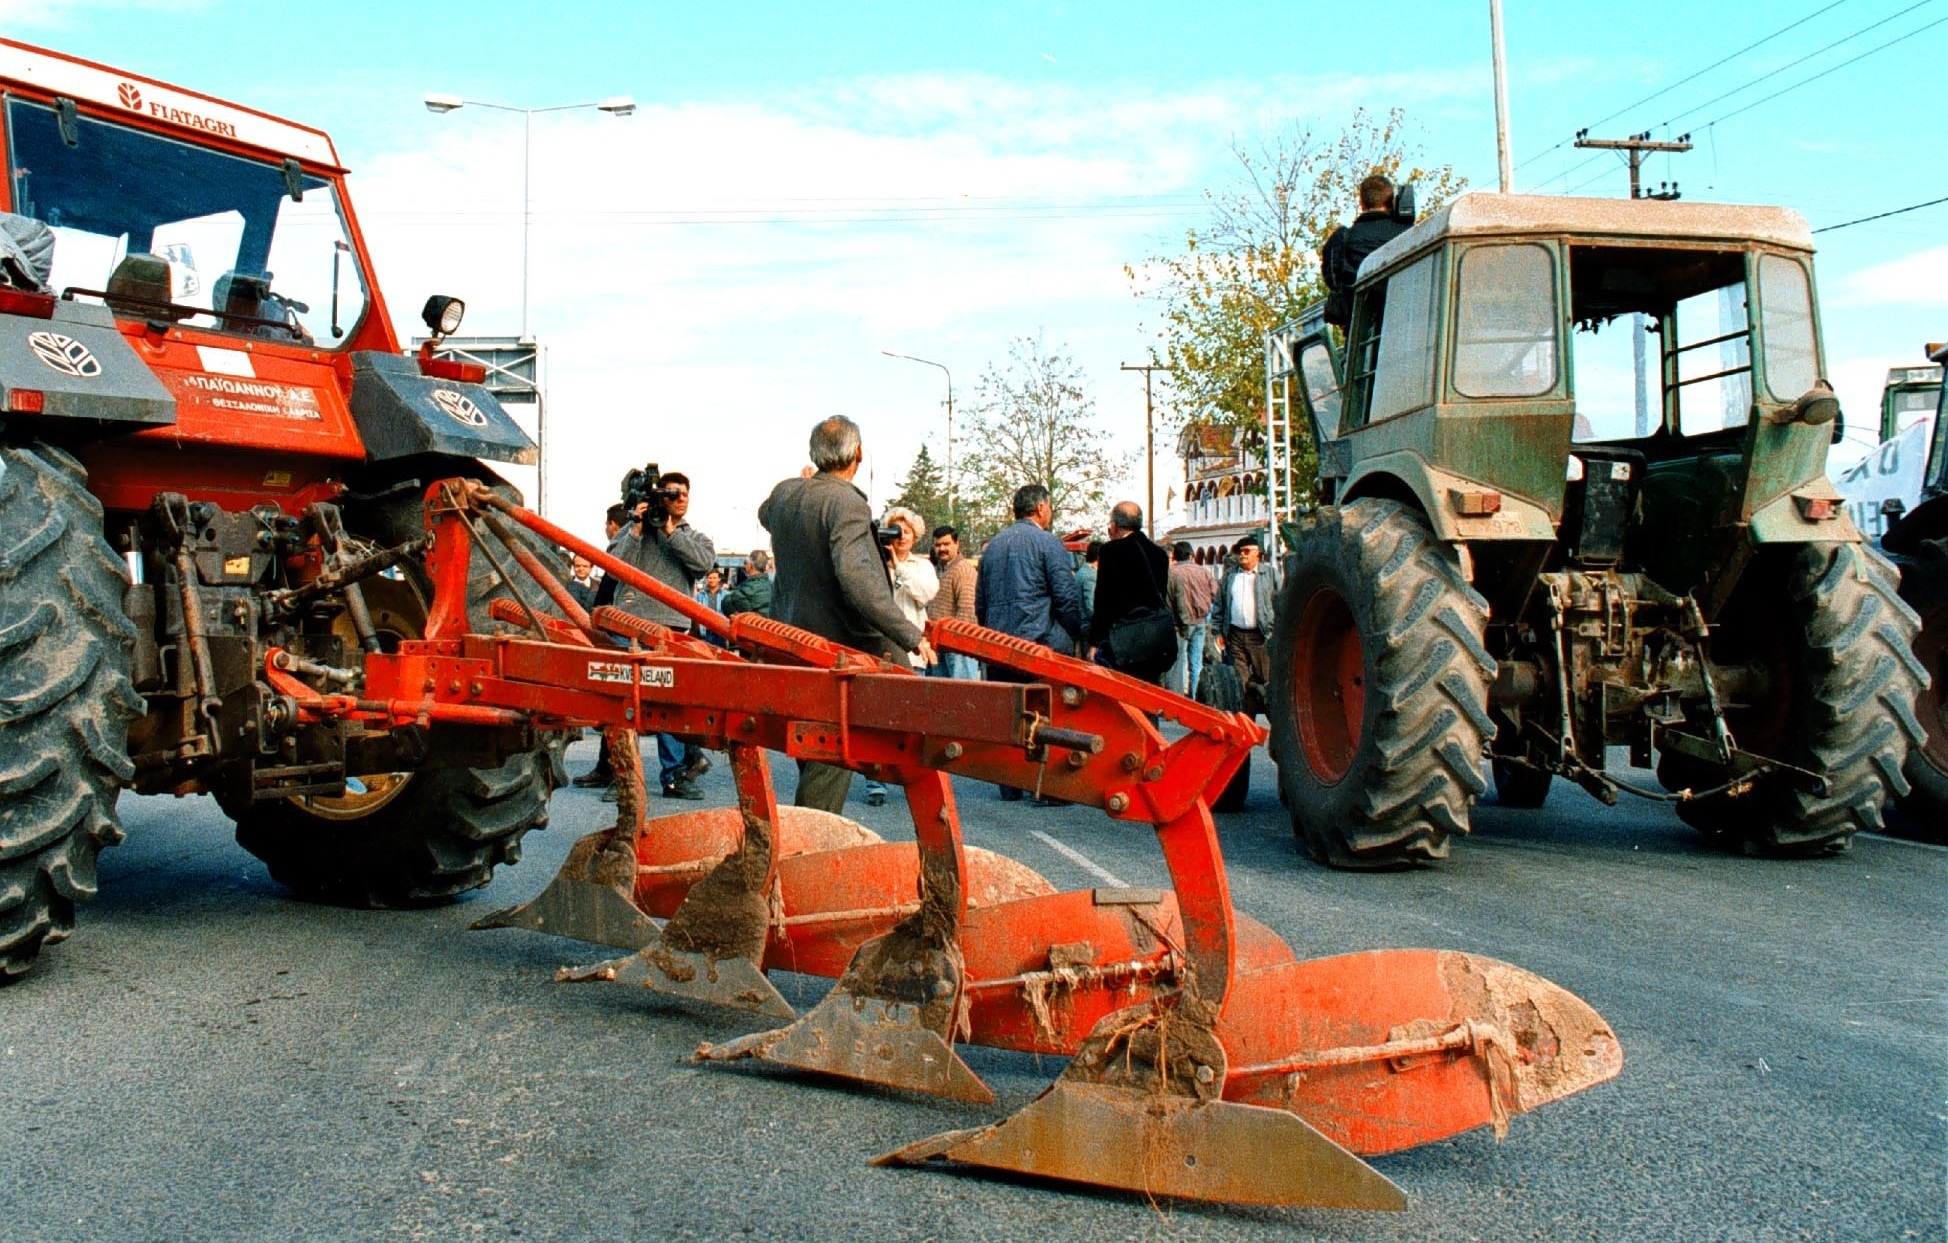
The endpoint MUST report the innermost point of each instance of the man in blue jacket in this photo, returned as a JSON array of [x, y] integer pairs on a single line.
[[1026, 587]]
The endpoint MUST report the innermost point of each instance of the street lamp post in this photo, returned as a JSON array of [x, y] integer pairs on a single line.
[[615, 105], [950, 422]]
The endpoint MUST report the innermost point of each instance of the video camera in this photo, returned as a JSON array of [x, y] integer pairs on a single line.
[[645, 486], [887, 534]]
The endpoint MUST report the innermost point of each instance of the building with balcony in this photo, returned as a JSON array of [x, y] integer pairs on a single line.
[[1224, 490]]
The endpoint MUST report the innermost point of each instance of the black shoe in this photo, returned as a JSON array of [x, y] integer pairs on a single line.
[[1010, 795], [594, 778], [875, 798], [684, 790], [697, 765]]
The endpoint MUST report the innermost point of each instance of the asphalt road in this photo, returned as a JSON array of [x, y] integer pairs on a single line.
[[209, 1060]]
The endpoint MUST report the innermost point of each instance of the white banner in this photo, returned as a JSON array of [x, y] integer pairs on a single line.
[[1896, 469]]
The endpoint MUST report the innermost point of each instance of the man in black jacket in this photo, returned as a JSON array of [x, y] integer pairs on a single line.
[[831, 580], [1131, 573], [1348, 247]]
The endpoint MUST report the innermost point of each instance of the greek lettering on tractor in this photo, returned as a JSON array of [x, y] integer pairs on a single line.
[[320, 606], [1572, 495]]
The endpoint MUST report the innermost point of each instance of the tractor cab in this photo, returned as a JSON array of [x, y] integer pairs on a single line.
[[1508, 348]]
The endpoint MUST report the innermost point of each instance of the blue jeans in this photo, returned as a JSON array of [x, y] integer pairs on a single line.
[[672, 753], [956, 665], [1189, 668]]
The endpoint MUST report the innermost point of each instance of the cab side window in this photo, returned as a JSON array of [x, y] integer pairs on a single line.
[[1399, 361]]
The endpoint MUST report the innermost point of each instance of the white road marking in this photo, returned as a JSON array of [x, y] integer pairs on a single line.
[[1902, 841], [1081, 860]]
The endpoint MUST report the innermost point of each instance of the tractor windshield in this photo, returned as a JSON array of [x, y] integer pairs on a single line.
[[1662, 331], [172, 231]]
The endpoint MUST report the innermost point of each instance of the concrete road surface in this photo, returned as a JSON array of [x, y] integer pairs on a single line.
[[209, 1060]]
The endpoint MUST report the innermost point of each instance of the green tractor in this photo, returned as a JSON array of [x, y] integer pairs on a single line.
[[1571, 496]]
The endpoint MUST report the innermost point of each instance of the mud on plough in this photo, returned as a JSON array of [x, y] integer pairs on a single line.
[[1206, 1060]]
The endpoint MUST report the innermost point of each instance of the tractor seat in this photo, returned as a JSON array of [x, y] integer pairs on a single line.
[[140, 288]]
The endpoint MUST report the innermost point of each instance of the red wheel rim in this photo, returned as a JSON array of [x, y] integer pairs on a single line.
[[1329, 685]]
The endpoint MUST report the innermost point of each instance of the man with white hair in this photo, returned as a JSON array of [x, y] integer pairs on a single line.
[[831, 580]]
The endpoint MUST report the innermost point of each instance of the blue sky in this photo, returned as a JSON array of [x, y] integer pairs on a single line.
[[806, 185]]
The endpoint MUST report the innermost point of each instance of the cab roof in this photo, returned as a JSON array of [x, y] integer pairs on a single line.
[[1487, 214]]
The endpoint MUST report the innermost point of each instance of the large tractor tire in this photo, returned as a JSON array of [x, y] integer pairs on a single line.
[[408, 838], [1845, 680], [1379, 688], [1924, 585], [65, 698], [1218, 686]]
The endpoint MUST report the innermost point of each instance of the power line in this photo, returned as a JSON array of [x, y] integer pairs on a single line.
[[1822, 73], [1691, 78], [1898, 211], [1796, 85], [1803, 59]]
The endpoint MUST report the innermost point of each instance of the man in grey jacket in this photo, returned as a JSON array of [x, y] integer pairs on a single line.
[[676, 554], [831, 578], [1243, 613]]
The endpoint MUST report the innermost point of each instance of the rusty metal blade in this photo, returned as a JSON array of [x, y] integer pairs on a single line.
[[1108, 1136], [1386, 1049], [734, 983], [590, 898], [865, 1040]]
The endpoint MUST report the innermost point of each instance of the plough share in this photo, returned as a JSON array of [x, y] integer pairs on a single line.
[[1206, 1060]]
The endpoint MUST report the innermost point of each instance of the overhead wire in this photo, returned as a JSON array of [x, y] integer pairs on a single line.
[[1803, 59], [1662, 91], [1570, 171], [1898, 211]]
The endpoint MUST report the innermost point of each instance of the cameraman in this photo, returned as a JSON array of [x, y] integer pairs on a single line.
[[832, 580], [661, 544]]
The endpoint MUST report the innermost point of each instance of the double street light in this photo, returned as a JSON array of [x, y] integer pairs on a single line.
[[950, 421], [615, 105]]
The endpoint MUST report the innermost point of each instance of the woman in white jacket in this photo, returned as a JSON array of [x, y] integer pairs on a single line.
[[914, 586]]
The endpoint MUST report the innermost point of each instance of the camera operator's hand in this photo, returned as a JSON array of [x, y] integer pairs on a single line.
[[642, 507], [926, 653]]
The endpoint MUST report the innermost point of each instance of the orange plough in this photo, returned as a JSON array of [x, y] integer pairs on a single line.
[[1206, 1060]]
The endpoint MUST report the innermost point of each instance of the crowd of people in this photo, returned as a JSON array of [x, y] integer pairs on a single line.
[[875, 585]]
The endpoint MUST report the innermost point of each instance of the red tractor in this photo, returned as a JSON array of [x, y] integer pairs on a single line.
[[207, 434]]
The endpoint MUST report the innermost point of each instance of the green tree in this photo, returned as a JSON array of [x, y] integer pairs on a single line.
[[1256, 264], [924, 490], [1032, 420]]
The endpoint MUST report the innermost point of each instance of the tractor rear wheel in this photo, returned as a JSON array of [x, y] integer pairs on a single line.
[[407, 838], [1518, 785], [65, 698], [1924, 585], [1380, 701], [1845, 679]]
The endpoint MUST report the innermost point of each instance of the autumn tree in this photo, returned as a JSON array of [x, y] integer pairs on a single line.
[[1255, 265], [1032, 420], [924, 490]]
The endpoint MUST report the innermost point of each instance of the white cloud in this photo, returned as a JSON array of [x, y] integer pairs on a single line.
[[1916, 280], [711, 277]]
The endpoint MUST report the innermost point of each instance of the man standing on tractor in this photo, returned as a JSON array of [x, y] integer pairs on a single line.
[[673, 552], [1349, 245], [831, 580], [1246, 602]]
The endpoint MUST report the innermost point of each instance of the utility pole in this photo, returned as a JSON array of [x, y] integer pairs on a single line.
[[1633, 148], [1149, 443], [1503, 157]]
